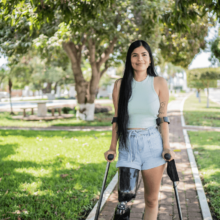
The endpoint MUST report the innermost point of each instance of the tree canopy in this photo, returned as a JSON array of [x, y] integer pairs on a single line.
[[55, 21], [204, 74], [101, 31], [203, 78]]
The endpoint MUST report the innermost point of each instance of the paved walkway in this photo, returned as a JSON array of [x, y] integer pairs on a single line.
[[186, 187]]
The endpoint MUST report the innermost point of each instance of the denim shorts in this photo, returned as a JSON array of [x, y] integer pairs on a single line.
[[145, 149]]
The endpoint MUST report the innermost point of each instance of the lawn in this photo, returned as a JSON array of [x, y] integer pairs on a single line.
[[101, 119], [196, 113], [206, 150], [171, 98], [51, 174]]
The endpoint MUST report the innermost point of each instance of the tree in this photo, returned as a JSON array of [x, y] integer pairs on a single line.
[[43, 73], [169, 68], [15, 74], [102, 36], [52, 70], [180, 48], [206, 76], [197, 85]]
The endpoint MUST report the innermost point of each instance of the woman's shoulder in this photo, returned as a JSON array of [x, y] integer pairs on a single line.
[[159, 84], [160, 79], [118, 83], [118, 80]]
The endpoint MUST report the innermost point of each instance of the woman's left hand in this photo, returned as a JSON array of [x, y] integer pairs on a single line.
[[170, 152]]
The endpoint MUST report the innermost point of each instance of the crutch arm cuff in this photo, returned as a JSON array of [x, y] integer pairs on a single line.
[[161, 120], [114, 119]]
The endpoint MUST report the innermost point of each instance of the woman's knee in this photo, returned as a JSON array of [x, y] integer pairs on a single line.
[[151, 201]]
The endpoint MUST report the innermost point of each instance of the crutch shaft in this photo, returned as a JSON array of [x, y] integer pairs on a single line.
[[177, 200]]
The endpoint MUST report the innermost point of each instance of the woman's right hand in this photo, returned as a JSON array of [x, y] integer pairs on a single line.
[[110, 152]]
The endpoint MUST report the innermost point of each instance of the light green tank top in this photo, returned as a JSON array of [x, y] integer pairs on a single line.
[[144, 104]]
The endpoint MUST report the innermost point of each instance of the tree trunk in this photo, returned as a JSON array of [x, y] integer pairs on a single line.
[[9, 88], [207, 97], [81, 85], [86, 91], [199, 97], [48, 88], [55, 88]]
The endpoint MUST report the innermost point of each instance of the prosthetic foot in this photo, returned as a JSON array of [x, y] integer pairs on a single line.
[[127, 189]]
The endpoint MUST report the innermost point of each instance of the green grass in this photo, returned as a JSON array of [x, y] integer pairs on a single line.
[[196, 113], [32, 164], [171, 98], [207, 145]]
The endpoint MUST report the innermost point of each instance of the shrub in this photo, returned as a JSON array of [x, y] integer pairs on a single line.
[[101, 109], [66, 110]]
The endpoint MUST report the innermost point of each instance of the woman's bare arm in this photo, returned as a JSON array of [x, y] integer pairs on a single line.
[[115, 98], [164, 100]]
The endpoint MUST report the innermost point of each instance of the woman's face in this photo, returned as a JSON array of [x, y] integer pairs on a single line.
[[140, 59]]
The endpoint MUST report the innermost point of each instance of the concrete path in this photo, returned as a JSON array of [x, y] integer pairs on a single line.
[[186, 187]]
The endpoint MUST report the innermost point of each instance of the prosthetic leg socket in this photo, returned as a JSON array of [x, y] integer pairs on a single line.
[[127, 189]]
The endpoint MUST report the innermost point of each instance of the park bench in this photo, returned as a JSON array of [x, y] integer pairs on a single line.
[[53, 110], [24, 110]]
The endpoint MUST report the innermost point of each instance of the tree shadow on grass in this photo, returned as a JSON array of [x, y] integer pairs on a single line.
[[74, 190], [66, 192]]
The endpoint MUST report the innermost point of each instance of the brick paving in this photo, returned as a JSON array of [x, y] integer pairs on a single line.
[[186, 186]]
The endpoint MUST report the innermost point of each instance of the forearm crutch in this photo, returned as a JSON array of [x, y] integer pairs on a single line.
[[110, 157]]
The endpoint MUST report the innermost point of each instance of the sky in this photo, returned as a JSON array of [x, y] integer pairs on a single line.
[[199, 61], [2, 61]]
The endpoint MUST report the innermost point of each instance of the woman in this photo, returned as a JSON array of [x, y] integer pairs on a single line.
[[139, 98]]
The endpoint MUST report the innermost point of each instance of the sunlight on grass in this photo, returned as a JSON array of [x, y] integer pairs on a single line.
[[171, 98], [207, 158], [196, 113], [48, 172]]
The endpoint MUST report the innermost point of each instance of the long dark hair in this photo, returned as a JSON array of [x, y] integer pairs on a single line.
[[126, 90]]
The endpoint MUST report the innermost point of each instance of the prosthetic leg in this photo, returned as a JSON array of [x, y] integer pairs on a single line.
[[127, 189]]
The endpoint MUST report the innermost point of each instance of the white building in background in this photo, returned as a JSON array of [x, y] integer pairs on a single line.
[[72, 91], [178, 82], [26, 91]]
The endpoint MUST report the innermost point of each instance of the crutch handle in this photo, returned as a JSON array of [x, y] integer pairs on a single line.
[[110, 156], [167, 156]]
